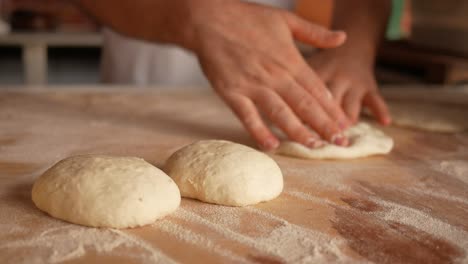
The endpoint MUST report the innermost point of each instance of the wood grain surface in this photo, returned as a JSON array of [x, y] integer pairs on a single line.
[[410, 206]]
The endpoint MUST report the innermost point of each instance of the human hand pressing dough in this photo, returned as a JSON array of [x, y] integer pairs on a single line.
[[247, 51], [251, 60], [350, 79]]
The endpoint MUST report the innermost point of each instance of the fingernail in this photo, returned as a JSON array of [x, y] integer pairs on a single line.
[[339, 33], [314, 143], [339, 139], [270, 144]]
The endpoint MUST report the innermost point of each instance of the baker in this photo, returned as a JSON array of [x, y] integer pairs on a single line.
[[248, 54]]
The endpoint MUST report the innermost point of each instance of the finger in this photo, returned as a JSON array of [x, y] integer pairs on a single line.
[[313, 34], [248, 114], [352, 102], [338, 88], [309, 110], [282, 115], [379, 108], [307, 78]]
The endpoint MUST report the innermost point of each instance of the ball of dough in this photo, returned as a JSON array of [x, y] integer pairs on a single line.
[[225, 173], [103, 191]]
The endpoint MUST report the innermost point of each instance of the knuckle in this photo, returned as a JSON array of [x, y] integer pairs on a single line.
[[302, 136], [250, 121], [231, 96], [301, 70], [298, 132], [332, 108], [304, 105], [292, 58], [314, 33], [325, 127], [284, 85], [282, 78], [279, 113]]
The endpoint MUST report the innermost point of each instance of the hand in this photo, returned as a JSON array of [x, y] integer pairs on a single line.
[[351, 81], [247, 52]]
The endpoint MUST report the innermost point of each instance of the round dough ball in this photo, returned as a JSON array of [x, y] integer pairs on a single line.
[[103, 191], [226, 173]]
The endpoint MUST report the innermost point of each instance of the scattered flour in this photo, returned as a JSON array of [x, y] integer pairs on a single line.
[[330, 177], [228, 216], [442, 194], [34, 237], [46, 240], [455, 168], [309, 197], [226, 232], [286, 241], [57, 241], [72, 242], [422, 221], [191, 237], [302, 245]]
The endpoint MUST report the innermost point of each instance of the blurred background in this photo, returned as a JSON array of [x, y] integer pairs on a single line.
[[55, 42]]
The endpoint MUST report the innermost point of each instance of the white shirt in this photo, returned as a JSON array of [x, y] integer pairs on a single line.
[[130, 61]]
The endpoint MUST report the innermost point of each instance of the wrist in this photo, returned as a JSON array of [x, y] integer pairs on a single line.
[[193, 17], [179, 24]]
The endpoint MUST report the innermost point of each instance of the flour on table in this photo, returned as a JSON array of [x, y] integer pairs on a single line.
[[429, 116], [365, 140], [455, 168], [284, 242], [421, 220]]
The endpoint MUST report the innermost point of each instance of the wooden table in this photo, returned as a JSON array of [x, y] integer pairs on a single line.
[[408, 207]]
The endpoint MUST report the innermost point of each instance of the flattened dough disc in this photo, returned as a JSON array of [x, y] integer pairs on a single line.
[[365, 141]]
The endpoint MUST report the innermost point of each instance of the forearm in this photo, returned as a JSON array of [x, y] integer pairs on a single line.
[[151, 20], [365, 22]]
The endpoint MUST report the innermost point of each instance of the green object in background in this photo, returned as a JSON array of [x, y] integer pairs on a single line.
[[394, 30]]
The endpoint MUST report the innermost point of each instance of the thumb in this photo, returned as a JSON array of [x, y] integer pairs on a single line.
[[313, 34]]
